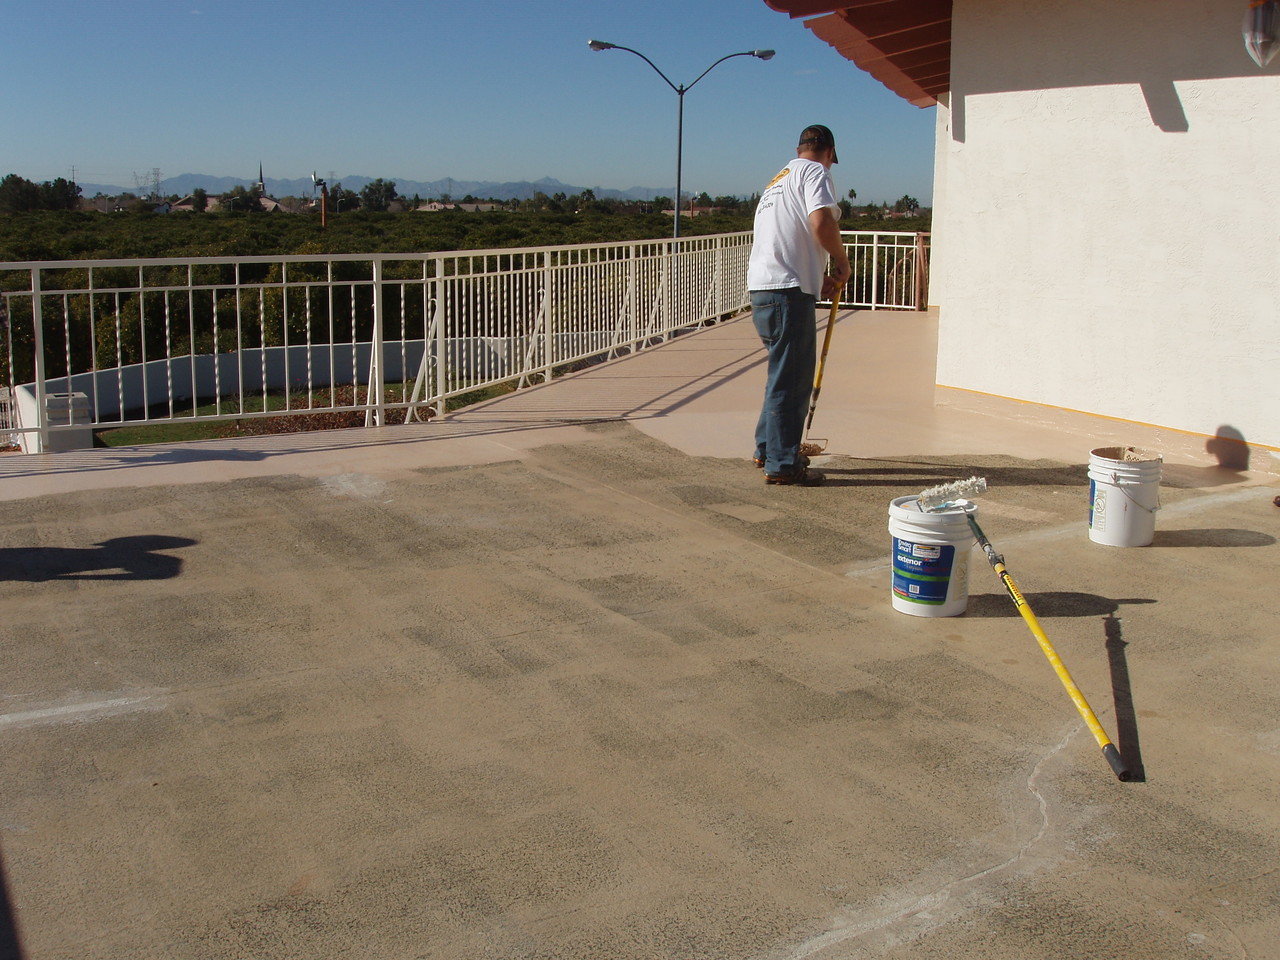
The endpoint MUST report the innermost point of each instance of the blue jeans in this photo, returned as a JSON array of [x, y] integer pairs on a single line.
[[787, 323]]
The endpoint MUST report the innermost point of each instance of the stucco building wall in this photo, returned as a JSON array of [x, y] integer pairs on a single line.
[[1107, 212]]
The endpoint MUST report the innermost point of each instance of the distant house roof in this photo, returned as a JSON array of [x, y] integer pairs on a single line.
[[215, 203], [432, 206], [693, 211], [905, 44]]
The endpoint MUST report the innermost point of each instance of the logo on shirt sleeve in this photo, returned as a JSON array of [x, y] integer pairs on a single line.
[[781, 174]]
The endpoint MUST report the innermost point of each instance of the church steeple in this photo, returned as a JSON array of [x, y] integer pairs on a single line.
[[262, 184]]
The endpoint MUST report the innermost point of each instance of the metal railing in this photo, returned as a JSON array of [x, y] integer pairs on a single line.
[[108, 343], [890, 270]]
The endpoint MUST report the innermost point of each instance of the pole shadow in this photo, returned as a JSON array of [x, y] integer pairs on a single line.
[[10, 945], [1213, 537], [121, 558], [913, 476], [1050, 603], [1068, 604], [1127, 740]]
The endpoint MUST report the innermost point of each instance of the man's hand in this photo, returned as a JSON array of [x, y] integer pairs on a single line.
[[826, 231], [843, 270]]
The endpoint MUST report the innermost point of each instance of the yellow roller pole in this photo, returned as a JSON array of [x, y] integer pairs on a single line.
[[1109, 750], [822, 362]]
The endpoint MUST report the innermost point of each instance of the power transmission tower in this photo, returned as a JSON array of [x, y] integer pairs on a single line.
[[151, 181]]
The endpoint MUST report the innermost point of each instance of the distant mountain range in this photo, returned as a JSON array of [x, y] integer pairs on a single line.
[[303, 187]]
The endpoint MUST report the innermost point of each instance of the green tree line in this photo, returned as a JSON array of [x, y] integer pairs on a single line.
[[77, 235], [68, 235], [44, 222], [19, 195]]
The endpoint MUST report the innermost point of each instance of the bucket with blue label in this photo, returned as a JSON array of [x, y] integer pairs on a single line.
[[930, 557]]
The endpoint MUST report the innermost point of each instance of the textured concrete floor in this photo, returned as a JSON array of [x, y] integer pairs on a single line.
[[505, 691]]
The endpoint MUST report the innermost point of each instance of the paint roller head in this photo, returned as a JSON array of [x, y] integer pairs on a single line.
[[936, 498]]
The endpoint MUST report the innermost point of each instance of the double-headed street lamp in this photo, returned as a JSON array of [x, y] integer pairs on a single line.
[[680, 92]]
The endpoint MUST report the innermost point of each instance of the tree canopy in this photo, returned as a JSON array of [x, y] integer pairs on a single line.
[[377, 196], [32, 231], [19, 195]]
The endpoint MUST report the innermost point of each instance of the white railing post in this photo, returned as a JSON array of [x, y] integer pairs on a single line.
[[142, 340], [632, 323], [677, 275], [875, 271], [549, 319], [442, 361], [375, 359], [921, 275], [718, 278], [627, 316], [669, 299], [37, 320]]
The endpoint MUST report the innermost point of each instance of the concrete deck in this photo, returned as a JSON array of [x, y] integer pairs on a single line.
[[558, 676]]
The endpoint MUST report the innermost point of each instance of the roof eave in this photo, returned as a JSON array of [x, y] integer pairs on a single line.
[[905, 44]]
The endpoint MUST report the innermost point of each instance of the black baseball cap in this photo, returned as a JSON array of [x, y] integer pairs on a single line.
[[820, 137]]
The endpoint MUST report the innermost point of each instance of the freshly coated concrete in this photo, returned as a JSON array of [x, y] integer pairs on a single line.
[[559, 676]]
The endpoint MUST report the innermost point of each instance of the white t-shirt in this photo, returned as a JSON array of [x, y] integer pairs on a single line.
[[784, 252]]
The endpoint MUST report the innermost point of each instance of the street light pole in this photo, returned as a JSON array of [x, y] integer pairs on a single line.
[[680, 90]]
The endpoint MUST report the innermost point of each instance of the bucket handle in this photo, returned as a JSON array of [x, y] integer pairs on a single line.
[[1115, 481]]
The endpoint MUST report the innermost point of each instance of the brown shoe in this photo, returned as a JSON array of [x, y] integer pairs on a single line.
[[804, 477], [759, 462]]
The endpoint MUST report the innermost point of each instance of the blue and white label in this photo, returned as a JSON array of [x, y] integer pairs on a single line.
[[922, 571], [1097, 506]]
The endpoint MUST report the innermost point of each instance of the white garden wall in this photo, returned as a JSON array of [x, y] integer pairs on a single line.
[[1107, 212]]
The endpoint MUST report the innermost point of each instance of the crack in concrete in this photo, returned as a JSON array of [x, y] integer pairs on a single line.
[[845, 928], [79, 711]]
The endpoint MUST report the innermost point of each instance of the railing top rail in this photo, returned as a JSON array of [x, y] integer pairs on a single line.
[[884, 233], [350, 257]]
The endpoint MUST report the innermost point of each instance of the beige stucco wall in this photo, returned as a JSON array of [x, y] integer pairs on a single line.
[[1107, 212]]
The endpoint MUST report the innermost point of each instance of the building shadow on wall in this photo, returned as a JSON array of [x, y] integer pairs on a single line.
[[1164, 106], [1232, 452], [1229, 447]]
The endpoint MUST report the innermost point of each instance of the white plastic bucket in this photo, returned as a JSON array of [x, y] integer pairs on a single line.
[[930, 558], [1124, 495]]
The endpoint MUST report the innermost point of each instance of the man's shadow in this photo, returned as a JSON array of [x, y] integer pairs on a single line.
[[121, 558]]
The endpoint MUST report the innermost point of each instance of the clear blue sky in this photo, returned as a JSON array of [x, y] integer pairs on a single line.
[[423, 90]]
